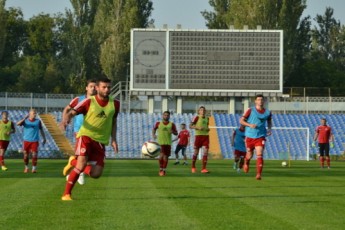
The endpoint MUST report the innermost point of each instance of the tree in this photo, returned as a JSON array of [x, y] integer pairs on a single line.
[[40, 31], [217, 19], [327, 40], [12, 40], [78, 56], [114, 20], [3, 16]]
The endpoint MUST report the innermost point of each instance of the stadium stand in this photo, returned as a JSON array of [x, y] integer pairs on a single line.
[[135, 128]]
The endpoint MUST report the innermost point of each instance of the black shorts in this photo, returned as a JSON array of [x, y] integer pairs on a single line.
[[324, 149], [180, 147]]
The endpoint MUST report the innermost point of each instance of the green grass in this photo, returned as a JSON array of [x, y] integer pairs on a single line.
[[131, 195]]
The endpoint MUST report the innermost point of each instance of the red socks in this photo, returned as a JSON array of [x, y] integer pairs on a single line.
[[72, 179], [328, 159], [26, 160], [194, 160], [259, 164], [204, 161], [34, 161], [74, 162], [322, 161], [165, 163], [2, 162]]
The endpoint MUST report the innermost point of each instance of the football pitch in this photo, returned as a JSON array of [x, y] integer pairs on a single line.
[[131, 195]]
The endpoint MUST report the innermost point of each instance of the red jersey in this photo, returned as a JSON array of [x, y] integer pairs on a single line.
[[75, 102], [324, 132], [173, 127], [84, 105], [183, 137]]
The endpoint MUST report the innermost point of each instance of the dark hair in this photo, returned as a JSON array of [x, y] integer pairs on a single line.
[[92, 80], [323, 119], [4, 112], [259, 95], [166, 112], [183, 124], [103, 79], [202, 107]]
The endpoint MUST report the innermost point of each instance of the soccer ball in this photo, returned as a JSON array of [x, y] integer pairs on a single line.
[[150, 149], [284, 164]]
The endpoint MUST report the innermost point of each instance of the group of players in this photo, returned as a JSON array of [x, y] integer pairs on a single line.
[[95, 122]]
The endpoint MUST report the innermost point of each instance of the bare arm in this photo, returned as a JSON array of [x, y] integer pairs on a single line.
[[331, 138], [64, 122], [68, 117], [269, 127], [43, 136], [243, 121], [315, 136], [233, 138], [21, 122], [154, 136], [114, 135], [13, 128]]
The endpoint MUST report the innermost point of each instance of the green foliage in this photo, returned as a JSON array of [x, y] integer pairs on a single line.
[[114, 20], [131, 195], [55, 54], [217, 19], [3, 21]]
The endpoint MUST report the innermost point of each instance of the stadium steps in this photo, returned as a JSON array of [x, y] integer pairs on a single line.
[[60, 139], [214, 150]]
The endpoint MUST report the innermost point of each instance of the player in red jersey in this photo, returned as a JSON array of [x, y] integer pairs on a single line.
[[182, 144], [100, 123], [165, 129], [325, 137], [77, 120], [254, 120], [200, 125], [6, 129]]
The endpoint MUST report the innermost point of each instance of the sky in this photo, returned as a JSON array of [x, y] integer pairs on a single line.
[[172, 12]]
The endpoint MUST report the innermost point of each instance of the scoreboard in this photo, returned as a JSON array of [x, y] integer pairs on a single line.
[[206, 60]]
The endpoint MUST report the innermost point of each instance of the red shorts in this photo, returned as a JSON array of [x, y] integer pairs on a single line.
[[239, 153], [4, 144], [93, 150], [201, 141], [166, 150], [30, 146], [251, 143]]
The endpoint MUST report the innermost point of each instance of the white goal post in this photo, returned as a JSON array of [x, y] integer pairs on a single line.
[[295, 141]]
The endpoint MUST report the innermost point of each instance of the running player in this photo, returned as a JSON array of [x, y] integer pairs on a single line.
[[182, 144], [6, 129], [325, 137], [238, 142], [32, 127], [254, 120], [200, 125], [100, 119], [165, 129], [78, 119]]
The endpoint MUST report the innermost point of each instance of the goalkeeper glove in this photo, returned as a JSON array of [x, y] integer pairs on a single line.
[[313, 144], [331, 145]]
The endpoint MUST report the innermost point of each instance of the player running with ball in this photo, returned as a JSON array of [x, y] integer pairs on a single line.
[[100, 119], [255, 119]]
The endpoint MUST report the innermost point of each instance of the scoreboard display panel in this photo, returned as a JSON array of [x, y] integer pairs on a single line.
[[207, 60]]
